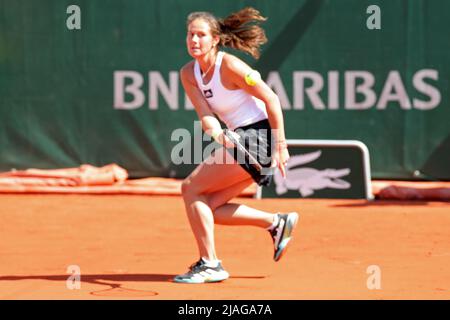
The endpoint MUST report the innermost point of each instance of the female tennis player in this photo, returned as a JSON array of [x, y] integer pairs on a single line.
[[220, 84]]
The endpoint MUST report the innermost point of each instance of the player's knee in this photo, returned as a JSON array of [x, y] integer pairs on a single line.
[[200, 205], [188, 189], [185, 187]]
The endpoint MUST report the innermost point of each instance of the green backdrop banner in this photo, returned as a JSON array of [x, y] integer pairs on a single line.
[[97, 81]]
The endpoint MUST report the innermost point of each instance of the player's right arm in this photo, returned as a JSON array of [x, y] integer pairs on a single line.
[[210, 124]]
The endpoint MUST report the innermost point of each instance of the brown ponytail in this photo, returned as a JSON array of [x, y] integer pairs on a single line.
[[239, 31]]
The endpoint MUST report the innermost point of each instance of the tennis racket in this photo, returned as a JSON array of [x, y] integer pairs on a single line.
[[236, 139]]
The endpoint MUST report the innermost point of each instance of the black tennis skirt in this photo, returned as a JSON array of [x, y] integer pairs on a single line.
[[257, 139]]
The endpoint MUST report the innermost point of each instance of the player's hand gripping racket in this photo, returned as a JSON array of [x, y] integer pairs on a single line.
[[244, 153]]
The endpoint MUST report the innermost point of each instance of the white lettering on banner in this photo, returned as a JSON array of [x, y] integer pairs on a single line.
[[394, 91], [351, 89], [312, 92], [308, 89], [170, 93], [426, 89], [333, 90], [134, 88]]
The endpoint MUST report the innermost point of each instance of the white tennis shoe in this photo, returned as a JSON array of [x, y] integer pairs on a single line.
[[282, 233], [199, 272]]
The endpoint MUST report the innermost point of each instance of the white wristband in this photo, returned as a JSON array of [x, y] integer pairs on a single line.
[[215, 133]]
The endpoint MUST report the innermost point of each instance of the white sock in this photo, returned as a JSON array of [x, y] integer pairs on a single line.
[[211, 263], [274, 223]]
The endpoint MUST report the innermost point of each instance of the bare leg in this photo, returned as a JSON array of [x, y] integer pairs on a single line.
[[208, 176], [235, 214], [202, 224]]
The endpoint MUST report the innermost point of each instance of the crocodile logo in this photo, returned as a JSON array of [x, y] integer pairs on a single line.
[[307, 180]]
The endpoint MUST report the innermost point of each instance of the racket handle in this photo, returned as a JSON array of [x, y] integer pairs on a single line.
[[234, 137]]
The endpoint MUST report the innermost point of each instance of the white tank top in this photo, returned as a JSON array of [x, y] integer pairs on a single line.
[[236, 108]]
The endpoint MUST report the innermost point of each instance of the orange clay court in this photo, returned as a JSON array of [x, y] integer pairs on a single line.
[[130, 247]]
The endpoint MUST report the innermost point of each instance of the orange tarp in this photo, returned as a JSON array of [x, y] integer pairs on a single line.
[[112, 179], [87, 179]]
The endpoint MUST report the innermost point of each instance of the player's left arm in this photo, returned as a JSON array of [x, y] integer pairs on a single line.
[[236, 70]]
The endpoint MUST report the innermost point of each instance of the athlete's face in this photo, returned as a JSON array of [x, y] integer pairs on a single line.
[[199, 39]]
